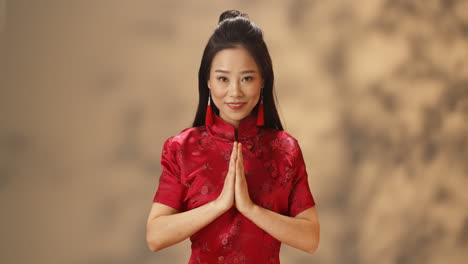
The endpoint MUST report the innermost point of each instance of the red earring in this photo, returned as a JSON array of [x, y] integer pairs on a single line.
[[260, 114], [209, 115]]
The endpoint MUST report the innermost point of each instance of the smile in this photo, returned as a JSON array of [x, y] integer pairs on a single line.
[[236, 106]]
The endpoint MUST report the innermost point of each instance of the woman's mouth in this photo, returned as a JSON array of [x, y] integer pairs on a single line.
[[235, 106]]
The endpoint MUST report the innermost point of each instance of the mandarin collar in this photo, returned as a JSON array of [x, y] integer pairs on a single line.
[[221, 129]]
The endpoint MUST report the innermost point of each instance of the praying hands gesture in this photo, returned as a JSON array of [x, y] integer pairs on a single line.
[[235, 191], [166, 226]]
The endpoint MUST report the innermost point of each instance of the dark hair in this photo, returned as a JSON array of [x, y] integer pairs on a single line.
[[235, 29]]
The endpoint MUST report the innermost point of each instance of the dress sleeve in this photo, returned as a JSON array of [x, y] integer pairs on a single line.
[[171, 190], [300, 197]]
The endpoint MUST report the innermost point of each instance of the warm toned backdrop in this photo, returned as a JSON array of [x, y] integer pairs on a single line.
[[376, 92]]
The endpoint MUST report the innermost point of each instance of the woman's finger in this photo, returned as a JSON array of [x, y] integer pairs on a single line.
[[234, 152], [232, 162], [239, 159]]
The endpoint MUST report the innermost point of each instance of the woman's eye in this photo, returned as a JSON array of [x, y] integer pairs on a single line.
[[247, 78], [223, 79]]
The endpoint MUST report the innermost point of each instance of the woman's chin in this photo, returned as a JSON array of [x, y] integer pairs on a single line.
[[236, 116]]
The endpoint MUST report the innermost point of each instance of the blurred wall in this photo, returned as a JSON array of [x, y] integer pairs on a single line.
[[375, 91]]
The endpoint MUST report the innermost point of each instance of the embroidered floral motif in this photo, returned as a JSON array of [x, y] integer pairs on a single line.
[[283, 145], [271, 168], [263, 150], [233, 257], [206, 143], [249, 144], [226, 241], [286, 176], [208, 188], [204, 189], [276, 144], [226, 154], [234, 229]]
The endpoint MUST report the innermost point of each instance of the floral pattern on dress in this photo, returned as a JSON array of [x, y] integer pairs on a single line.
[[271, 168], [286, 176], [283, 145], [234, 257], [206, 143], [226, 154]]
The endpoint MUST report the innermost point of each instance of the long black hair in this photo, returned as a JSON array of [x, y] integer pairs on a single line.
[[235, 29]]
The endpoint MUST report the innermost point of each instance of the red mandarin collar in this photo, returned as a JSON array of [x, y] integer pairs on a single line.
[[222, 129]]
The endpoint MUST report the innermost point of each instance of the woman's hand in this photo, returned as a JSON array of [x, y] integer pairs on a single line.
[[226, 199], [242, 199]]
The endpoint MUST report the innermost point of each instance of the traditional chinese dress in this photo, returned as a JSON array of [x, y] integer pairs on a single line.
[[195, 163]]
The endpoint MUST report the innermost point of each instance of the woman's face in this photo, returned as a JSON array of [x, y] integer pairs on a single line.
[[235, 84]]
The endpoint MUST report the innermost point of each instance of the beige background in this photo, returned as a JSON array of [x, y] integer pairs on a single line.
[[375, 91]]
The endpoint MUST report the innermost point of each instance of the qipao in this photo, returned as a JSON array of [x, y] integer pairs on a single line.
[[194, 165]]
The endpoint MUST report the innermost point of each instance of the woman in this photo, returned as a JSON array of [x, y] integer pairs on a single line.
[[235, 182]]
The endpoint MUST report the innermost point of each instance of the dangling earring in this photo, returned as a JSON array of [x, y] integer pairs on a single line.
[[209, 115], [260, 114]]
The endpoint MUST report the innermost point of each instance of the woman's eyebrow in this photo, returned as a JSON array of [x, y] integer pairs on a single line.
[[243, 72], [222, 71]]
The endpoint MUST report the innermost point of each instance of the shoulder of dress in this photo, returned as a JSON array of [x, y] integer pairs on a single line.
[[282, 135], [286, 141], [286, 135], [188, 134]]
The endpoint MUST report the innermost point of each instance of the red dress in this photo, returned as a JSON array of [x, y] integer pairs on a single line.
[[195, 163]]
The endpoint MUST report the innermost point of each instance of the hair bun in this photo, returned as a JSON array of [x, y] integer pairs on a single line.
[[231, 14]]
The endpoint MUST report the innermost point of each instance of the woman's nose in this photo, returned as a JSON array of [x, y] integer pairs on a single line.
[[235, 89]]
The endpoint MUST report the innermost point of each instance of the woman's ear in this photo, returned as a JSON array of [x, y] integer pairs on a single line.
[[208, 82]]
